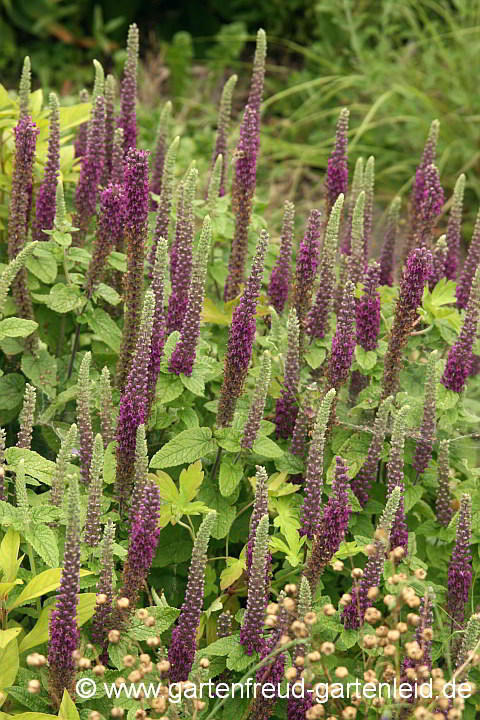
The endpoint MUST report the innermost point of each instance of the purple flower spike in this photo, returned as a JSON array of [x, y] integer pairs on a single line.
[[367, 474], [336, 181], [221, 139], [280, 278], [161, 145], [251, 633], [472, 261], [454, 230], [287, 407], [158, 329], [387, 257], [430, 206], [460, 569], [343, 343], [110, 90], [306, 271], [128, 94], [101, 623], [443, 505], [395, 475], [45, 200], [91, 171], [81, 138], [368, 309], [257, 406], [109, 231], [424, 447]]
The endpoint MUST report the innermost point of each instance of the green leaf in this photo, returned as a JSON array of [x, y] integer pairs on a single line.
[[67, 709], [39, 634], [118, 261], [188, 446], [38, 705], [266, 447], [169, 387], [107, 293], [44, 542], [238, 659], [63, 298], [35, 465], [225, 512], [443, 293], [221, 647], [195, 383], [229, 476], [367, 359], [9, 562], [235, 568], [164, 618], [107, 329], [42, 264], [315, 357], [41, 369], [73, 115], [110, 463], [12, 388], [41, 584], [9, 663], [229, 439], [412, 496], [168, 489], [16, 327], [7, 635], [190, 481]]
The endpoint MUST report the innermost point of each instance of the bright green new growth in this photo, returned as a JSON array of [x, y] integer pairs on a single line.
[[397, 448], [304, 604], [357, 259], [21, 492], [25, 87], [323, 415], [470, 640], [92, 535], [275, 327], [190, 190], [357, 184], [260, 52], [391, 507], [260, 549], [164, 123], [60, 475], [84, 418], [169, 169], [99, 83], [10, 272], [330, 243], [214, 185], [225, 109]]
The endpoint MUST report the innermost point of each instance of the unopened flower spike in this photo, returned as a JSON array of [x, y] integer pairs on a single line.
[[3, 439], [354, 613], [280, 277], [26, 418], [387, 256], [181, 653], [306, 271], [185, 352], [63, 631], [92, 531], [470, 640], [158, 329], [343, 343], [443, 506], [439, 258], [424, 446], [9, 273], [241, 336], [430, 206], [21, 496], [164, 209], [59, 476], [224, 624], [460, 356], [117, 171], [109, 230], [454, 229], [45, 198], [336, 180], [251, 632], [460, 572], [297, 707], [84, 418], [415, 277], [257, 405], [60, 221], [318, 317], [221, 139], [286, 408], [101, 622], [357, 187], [140, 470], [91, 171], [80, 143], [128, 93], [368, 323], [25, 87], [214, 186], [369, 187], [260, 508], [99, 82], [367, 474], [395, 477], [356, 262], [110, 92], [304, 421], [255, 96], [161, 145], [470, 266], [311, 512], [107, 418]]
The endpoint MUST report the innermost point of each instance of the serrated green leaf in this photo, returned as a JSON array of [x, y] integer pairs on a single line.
[[35, 465], [315, 357], [231, 573], [67, 709], [266, 447], [195, 383], [164, 618], [43, 265], [64, 298], [229, 476], [225, 512], [44, 542], [188, 446], [169, 387], [190, 480], [229, 439], [107, 330], [168, 489], [17, 327], [367, 359], [41, 369], [12, 388], [107, 293]]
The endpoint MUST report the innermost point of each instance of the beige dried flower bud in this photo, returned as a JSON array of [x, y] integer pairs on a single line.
[[272, 608], [84, 663], [341, 672], [370, 641], [99, 670], [135, 676], [310, 618], [117, 712], [349, 713], [327, 648], [289, 604], [290, 674], [356, 573], [123, 603], [33, 686], [142, 614], [114, 636], [338, 566], [163, 666], [314, 656], [329, 610]]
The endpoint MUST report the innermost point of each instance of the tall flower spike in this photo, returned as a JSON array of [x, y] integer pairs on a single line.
[[185, 352], [470, 640], [80, 143], [158, 330], [343, 343], [336, 180], [306, 271], [443, 506], [181, 653], [460, 570], [311, 512], [424, 447], [332, 527], [430, 206], [117, 173], [415, 276], [305, 418], [454, 230], [107, 420], [368, 309], [161, 145], [133, 408], [472, 261], [369, 185], [387, 256], [164, 210], [241, 336], [243, 190], [224, 624], [297, 707], [25, 133], [128, 94], [214, 186], [251, 632], [91, 171], [140, 470], [356, 262], [63, 630], [110, 92], [61, 466], [101, 623], [221, 138], [109, 229], [271, 675], [395, 478], [142, 544], [286, 408], [60, 221], [24, 439], [3, 439], [99, 82], [422, 636], [25, 87], [10, 272], [136, 230], [255, 96], [439, 258], [181, 255], [357, 187], [460, 357], [260, 508], [367, 474], [45, 199], [280, 277], [354, 613], [92, 531], [84, 418], [318, 317], [257, 406]]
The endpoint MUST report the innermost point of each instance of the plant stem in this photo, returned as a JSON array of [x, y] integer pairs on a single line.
[[216, 464]]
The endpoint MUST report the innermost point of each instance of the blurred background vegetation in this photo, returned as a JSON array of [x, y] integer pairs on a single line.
[[397, 64]]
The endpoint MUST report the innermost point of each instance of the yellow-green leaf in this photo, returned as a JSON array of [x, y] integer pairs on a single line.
[[7, 635], [190, 481], [9, 554], [232, 572], [6, 587], [9, 664], [40, 585], [39, 634], [67, 710], [168, 489]]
